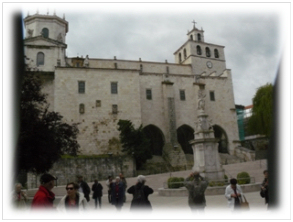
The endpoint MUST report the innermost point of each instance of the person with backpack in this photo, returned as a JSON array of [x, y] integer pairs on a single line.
[[196, 186], [140, 194]]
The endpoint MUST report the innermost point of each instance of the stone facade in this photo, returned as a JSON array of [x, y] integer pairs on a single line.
[[144, 91], [93, 168]]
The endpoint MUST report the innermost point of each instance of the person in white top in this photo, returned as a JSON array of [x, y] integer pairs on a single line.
[[73, 200], [233, 193]]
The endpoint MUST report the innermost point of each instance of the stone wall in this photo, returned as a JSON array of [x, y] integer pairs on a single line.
[[244, 154], [90, 168]]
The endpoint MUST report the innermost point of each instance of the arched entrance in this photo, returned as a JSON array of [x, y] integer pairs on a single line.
[[155, 135], [185, 133], [223, 139]]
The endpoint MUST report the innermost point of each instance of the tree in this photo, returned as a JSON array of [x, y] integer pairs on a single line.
[[134, 142], [43, 136], [261, 119]]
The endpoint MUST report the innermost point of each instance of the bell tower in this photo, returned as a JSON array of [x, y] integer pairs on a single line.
[[204, 57], [45, 42]]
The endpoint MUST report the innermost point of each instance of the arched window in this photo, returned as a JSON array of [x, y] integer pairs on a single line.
[[198, 49], [199, 37], [208, 52], [191, 37], [216, 53], [40, 59], [184, 51], [45, 32], [81, 108], [180, 57]]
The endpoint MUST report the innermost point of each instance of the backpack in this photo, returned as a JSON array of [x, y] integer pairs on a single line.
[[139, 197]]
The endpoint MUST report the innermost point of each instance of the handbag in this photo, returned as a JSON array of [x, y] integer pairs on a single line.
[[244, 204], [262, 193]]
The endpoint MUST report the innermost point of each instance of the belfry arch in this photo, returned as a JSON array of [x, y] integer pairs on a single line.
[[185, 133], [220, 134], [157, 139]]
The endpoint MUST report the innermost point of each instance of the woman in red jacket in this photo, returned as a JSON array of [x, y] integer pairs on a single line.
[[44, 197]]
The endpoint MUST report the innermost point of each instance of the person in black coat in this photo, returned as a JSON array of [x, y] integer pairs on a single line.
[[84, 188], [117, 193], [265, 187], [97, 193], [140, 194]]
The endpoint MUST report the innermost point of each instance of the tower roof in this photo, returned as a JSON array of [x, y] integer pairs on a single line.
[[49, 17]]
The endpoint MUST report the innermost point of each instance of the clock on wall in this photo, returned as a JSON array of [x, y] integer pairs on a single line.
[[209, 64]]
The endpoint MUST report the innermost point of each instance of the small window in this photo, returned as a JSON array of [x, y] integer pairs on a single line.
[[199, 37], [216, 53], [81, 86], [81, 108], [191, 37], [45, 32], [114, 109], [182, 95], [98, 103], [208, 52], [115, 65], [149, 94], [180, 59], [184, 51], [198, 49], [114, 87], [40, 59], [212, 95], [141, 67]]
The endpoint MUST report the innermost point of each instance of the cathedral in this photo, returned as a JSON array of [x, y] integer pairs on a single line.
[[160, 96]]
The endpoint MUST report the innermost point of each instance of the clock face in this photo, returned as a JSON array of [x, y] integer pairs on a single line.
[[209, 64]]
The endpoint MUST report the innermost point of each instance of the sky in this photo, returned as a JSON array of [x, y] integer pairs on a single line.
[[251, 33]]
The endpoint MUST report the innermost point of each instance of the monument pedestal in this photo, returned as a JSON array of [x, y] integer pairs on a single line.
[[205, 150]]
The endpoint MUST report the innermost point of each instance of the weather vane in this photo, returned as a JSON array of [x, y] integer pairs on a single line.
[[193, 23]]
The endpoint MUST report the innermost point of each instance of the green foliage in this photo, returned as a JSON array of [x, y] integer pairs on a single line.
[[216, 183], [101, 156], [175, 182], [226, 178], [243, 178], [262, 112], [134, 142], [43, 136]]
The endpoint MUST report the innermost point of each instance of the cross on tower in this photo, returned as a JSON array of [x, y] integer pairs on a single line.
[[193, 23]]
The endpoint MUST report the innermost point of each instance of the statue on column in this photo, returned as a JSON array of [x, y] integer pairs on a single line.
[[201, 101], [86, 61]]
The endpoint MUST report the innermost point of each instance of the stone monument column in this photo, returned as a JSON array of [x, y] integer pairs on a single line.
[[172, 150], [205, 145]]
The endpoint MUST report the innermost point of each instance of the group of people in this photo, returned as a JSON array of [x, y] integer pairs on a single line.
[[77, 196], [140, 192]]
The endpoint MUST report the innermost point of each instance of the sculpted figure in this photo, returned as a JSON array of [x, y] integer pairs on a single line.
[[86, 61]]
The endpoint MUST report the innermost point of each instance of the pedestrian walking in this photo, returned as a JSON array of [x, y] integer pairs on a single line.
[[84, 188], [97, 193], [117, 195], [44, 197], [108, 183], [73, 200], [140, 194], [233, 193], [19, 198], [196, 186]]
